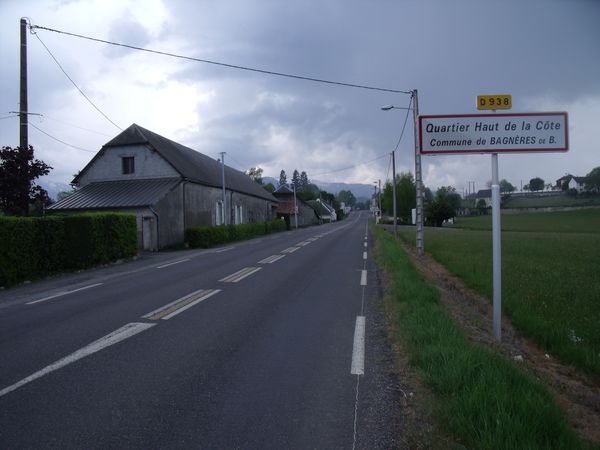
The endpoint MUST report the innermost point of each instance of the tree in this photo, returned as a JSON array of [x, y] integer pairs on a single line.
[[406, 197], [592, 180], [18, 171], [506, 186], [303, 181], [536, 184], [269, 187], [346, 197], [442, 207], [296, 179], [282, 178], [255, 173]]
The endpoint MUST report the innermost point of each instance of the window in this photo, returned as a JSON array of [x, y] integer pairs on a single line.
[[128, 164], [238, 214]]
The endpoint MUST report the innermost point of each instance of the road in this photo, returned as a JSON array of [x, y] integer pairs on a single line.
[[275, 342]]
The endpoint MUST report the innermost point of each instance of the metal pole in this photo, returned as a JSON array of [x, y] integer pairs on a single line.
[[496, 250], [23, 128], [394, 192], [418, 178], [379, 197], [223, 183], [295, 206]]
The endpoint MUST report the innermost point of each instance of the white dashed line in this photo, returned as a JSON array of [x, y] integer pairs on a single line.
[[364, 255], [178, 306], [358, 348], [240, 275], [172, 263], [271, 259], [363, 277], [129, 330], [221, 250], [60, 294], [290, 250]]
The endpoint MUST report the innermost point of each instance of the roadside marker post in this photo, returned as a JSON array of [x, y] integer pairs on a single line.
[[545, 132]]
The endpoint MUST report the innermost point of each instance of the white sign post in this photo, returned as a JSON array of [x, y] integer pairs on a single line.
[[494, 133]]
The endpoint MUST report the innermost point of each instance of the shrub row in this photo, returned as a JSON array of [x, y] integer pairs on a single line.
[[32, 247], [206, 237]]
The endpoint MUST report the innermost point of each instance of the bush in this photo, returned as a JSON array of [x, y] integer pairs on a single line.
[[33, 247], [206, 237]]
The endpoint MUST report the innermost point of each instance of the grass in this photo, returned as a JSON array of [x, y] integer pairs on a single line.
[[481, 399], [550, 276], [545, 201]]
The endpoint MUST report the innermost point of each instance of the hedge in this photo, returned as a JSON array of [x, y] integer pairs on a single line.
[[206, 237], [33, 247]]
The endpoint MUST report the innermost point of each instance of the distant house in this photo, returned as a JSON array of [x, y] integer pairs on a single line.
[[168, 186], [570, 182], [286, 208], [325, 211], [485, 195]]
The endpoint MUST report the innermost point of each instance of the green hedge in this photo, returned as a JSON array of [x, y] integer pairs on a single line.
[[206, 237], [32, 247]]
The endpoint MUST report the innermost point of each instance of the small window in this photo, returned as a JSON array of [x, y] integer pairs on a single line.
[[128, 164], [219, 213]]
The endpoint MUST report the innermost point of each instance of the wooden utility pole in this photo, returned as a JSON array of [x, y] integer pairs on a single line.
[[23, 127]]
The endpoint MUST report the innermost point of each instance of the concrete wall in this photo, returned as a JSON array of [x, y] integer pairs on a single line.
[[148, 164]]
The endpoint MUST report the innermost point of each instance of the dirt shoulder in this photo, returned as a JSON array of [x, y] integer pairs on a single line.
[[575, 392]]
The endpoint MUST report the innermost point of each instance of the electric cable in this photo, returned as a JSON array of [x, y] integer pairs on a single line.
[[71, 80], [217, 63], [58, 140]]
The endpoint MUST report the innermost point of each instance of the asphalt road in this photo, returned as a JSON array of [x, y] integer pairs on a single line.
[[276, 342]]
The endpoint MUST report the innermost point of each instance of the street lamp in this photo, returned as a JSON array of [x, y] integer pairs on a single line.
[[418, 177]]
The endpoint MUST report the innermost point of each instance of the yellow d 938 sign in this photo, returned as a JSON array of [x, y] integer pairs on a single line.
[[494, 102]]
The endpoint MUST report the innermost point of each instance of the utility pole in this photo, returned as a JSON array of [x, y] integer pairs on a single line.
[[380, 212], [224, 194], [23, 128], [418, 177], [394, 193]]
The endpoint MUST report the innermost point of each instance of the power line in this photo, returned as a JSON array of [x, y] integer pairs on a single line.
[[8, 117], [31, 27], [351, 167], [404, 125], [76, 126], [58, 140], [231, 66]]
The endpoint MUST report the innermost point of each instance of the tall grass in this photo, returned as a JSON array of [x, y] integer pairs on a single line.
[[482, 400], [550, 280]]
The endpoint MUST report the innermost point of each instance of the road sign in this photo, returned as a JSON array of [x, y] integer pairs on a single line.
[[494, 133], [501, 101]]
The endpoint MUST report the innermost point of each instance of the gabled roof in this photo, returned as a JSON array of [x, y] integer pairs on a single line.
[[283, 189], [192, 165], [484, 193], [117, 194]]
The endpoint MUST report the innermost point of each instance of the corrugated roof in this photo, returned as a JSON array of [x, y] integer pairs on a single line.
[[117, 194], [189, 163]]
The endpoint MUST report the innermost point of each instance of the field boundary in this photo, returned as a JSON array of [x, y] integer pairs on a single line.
[[577, 393]]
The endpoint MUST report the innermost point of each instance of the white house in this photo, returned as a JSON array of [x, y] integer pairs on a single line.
[[169, 187]]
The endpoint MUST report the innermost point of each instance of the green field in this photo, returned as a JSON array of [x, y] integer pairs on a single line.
[[480, 398], [550, 275], [544, 201]]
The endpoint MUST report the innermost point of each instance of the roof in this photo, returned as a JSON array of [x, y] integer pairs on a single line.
[[484, 193], [117, 194], [283, 189], [192, 165]]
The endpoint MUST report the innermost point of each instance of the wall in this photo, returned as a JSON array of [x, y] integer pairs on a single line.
[[108, 167]]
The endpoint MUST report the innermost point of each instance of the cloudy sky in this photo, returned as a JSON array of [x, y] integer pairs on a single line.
[[545, 53]]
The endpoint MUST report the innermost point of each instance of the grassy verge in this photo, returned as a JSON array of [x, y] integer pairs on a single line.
[[550, 281], [482, 400]]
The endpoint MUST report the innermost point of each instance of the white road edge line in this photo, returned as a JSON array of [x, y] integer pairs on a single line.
[[127, 331], [363, 277], [358, 347], [60, 294], [172, 263]]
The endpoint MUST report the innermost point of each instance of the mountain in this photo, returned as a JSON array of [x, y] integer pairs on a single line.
[[53, 187], [362, 192]]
